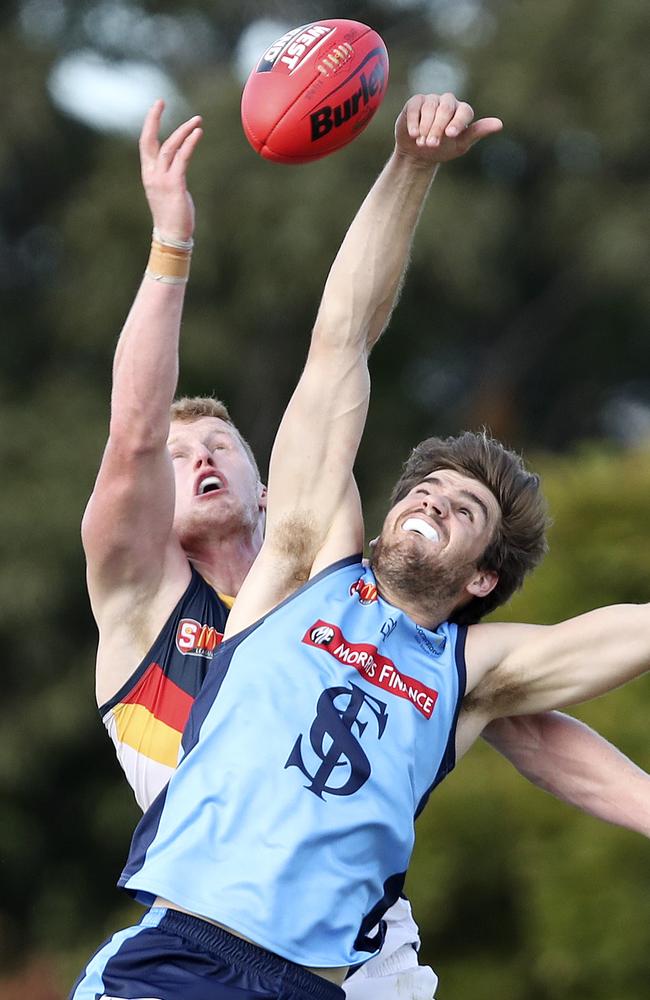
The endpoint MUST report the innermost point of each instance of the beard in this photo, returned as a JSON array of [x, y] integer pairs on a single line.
[[415, 575]]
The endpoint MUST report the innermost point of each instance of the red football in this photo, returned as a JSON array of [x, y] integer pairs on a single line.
[[314, 90]]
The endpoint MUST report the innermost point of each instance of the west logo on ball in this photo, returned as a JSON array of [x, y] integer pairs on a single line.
[[290, 49]]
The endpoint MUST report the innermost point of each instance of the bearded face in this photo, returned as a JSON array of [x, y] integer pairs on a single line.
[[432, 542], [418, 575]]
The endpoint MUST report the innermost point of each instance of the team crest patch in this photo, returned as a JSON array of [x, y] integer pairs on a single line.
[[372, 666], [195, 639], [366, 592]]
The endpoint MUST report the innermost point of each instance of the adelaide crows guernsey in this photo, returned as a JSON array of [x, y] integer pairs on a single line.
[[146, 718], [314, 743]]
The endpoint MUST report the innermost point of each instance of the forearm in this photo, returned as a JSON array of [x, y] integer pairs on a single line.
[[572, 762], [365, 279], [145, 369]]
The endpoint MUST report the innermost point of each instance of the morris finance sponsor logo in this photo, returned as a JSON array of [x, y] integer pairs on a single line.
[[321, 636], [195, 639], [376, 669]]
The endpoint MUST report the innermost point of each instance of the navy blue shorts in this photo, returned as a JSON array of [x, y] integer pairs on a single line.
[[173, 956]]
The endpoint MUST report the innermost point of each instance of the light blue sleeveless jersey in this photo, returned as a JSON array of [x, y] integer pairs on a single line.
[[315, 741]]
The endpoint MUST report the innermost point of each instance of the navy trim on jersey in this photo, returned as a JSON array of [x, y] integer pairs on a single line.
[[448, 761], [147, 828], [179, 677], [364, 941]]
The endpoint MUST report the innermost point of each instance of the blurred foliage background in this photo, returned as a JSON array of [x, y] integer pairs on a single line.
[[526, 309]]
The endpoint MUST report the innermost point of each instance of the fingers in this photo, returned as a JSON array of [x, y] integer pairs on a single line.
[[441, 116], [150, 129], [174, 143], [177, 148], [187, 147], [441, 127]]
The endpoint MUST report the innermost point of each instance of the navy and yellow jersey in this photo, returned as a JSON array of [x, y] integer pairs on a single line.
[[147, 716], [314, 743]]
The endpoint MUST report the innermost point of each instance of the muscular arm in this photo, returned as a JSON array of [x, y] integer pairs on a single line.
[[127, 526], [523, 669], [314, 515], [572, 762]]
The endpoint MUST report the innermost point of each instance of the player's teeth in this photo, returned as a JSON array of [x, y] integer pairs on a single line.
[[209, 483], [422, 527]]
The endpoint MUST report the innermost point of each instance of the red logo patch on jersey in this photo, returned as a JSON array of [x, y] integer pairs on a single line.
[[367, 591], [376, 669], [194, 639]]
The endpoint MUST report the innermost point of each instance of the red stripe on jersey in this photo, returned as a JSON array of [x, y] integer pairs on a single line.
[[164, 699]]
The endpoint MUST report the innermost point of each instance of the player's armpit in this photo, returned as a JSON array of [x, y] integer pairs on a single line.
[[527, 669], [314, 452]]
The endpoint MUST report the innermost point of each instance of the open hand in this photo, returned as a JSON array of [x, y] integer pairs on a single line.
[[164, 167]]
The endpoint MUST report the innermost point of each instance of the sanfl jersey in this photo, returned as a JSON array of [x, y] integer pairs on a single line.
[[146, 718], [312, 747]]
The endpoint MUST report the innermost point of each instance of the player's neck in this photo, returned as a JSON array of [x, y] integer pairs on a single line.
[[225, 564], [423, 612]]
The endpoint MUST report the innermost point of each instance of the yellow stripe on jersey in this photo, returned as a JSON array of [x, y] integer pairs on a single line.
[[138, 728]]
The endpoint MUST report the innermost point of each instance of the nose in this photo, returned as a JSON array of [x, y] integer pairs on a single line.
[[436, 504], [202, 456]]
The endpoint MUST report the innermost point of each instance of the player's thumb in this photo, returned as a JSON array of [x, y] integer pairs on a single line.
[[480, 130]]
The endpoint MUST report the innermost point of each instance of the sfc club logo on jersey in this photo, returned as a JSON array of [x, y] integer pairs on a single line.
[[195, 639], [366, 592], [342, 717], [374, 667]]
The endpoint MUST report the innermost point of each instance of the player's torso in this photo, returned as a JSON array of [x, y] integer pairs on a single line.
[[314, 742], [146, 718]]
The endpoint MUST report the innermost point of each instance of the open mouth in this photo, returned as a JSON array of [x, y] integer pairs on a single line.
[[209, 485], [422, 527]]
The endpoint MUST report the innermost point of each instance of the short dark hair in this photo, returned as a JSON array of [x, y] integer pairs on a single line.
[[190, 408], [519, 542]]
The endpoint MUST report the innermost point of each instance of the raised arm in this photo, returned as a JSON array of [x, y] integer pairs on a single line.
[[568, 759], [314, 515], [132, 554]]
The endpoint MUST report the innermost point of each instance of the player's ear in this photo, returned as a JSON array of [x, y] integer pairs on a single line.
[[482, 583], [262, 495]]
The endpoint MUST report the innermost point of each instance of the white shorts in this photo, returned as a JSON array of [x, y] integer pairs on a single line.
[[394, 974]]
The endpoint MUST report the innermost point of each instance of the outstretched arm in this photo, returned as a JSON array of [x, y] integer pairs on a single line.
[[313, 516], [571, 761], [131, 552], [517, 669]]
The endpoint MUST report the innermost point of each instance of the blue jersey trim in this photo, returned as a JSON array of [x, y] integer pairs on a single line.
[[448, 761]]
